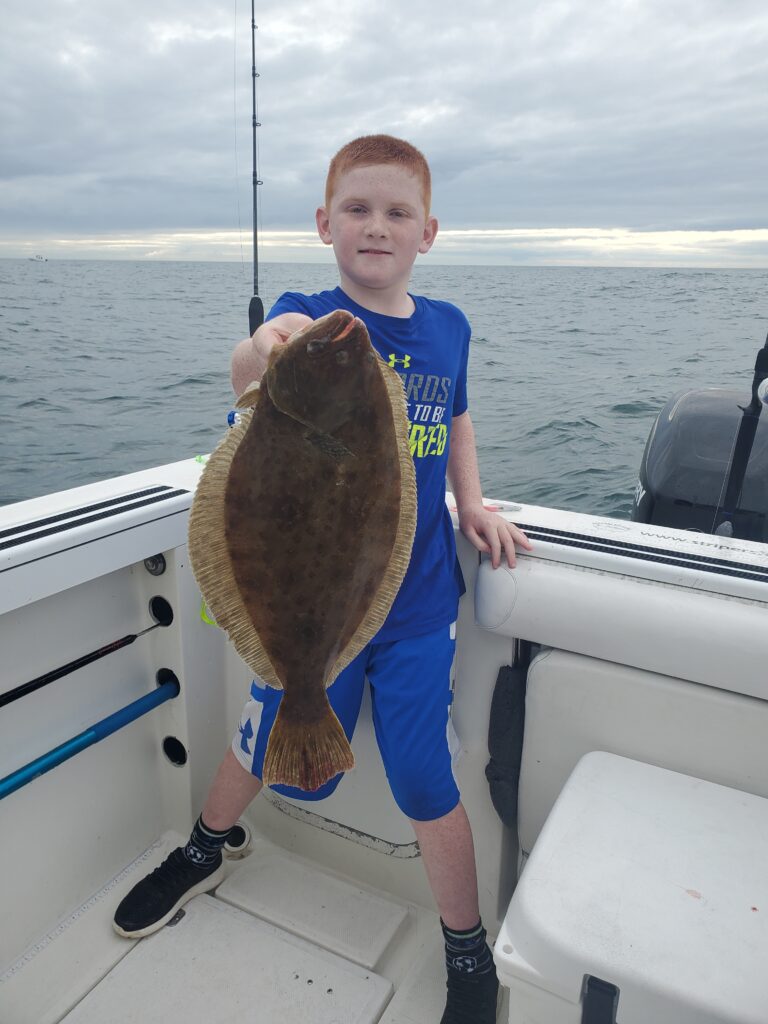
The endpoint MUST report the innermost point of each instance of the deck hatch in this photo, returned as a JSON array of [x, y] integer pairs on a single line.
[[220, 963], [331, 912]]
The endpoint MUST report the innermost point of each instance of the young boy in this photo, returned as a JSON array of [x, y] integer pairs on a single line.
[[377, 218]]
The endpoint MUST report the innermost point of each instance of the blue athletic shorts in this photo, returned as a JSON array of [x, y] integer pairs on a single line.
[[410, 697]]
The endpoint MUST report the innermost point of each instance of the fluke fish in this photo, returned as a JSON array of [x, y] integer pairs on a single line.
[[301, 530]]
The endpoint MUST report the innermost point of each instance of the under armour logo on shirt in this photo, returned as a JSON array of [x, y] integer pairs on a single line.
[[406, 360]]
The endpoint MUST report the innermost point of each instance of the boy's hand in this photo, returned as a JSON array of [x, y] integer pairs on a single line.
[[249, 360], [492, 534]]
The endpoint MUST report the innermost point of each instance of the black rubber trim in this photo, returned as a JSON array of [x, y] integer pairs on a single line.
[[704, 563], [600, 1003], [83, 510], [125, 505]]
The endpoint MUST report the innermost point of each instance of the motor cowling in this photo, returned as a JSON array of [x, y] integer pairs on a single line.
[[686, 464]]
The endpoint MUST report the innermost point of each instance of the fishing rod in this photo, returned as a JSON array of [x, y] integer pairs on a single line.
[[167, 688], [742, 449], [256, 306], [160, 610]]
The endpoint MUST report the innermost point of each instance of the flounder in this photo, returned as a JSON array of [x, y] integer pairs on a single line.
[[301, 530]]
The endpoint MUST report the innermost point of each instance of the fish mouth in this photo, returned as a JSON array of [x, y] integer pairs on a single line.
[[347, 329]]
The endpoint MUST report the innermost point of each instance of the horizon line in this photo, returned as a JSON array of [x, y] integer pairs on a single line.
[[737, 248]]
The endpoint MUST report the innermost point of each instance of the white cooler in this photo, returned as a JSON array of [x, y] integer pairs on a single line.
[[649, 890]]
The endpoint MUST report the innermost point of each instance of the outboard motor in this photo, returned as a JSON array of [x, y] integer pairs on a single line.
[[705, 465]]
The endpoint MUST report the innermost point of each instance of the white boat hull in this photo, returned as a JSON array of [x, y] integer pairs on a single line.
[[657, 657]]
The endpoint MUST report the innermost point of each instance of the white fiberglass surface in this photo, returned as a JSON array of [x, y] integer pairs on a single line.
[[219, 963]]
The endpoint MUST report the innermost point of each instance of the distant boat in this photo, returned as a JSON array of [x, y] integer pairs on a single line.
[[38, 259]]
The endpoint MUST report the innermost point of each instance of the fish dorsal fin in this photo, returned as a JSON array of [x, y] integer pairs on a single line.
[[210, 557], [249, 397]]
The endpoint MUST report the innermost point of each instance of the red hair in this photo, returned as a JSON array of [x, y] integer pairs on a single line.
[[379, 149]]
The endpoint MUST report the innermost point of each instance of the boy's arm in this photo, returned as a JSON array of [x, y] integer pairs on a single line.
[[486, 530], [249, 360]]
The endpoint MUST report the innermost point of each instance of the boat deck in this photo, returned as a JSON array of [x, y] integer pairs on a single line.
[[280, 940]]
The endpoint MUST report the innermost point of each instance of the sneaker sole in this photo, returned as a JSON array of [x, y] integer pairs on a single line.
[[207, 884]]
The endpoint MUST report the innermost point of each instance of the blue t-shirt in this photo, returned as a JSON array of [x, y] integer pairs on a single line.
[[429, 349]]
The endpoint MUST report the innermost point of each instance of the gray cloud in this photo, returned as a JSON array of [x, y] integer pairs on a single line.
[[537, 113]]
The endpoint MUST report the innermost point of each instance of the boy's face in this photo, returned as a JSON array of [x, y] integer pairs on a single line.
[[377, 225]]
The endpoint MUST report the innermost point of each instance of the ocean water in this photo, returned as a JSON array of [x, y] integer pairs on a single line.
[[110, 367]]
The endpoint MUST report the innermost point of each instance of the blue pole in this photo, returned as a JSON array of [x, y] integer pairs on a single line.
[[99, 731]]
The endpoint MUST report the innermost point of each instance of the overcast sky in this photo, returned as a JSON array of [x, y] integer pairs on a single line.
[[558, 131]]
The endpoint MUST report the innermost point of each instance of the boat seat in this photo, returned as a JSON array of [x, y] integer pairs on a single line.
[[644, 899]]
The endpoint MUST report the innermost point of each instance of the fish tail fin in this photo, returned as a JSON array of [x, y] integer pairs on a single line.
[[306, 754]]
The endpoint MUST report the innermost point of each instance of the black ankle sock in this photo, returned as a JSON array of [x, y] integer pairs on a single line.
[[467, 952], [205, 844]]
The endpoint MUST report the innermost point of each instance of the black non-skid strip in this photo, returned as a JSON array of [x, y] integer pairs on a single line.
[[105, 513], [627, 546], [702, 563], [36, 524]]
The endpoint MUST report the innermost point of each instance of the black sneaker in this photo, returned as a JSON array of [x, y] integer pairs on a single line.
[[154, 900], [472, 998]]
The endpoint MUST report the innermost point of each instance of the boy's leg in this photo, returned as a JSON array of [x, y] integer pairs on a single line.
[[411, 696], [449, 860], [232, 790]]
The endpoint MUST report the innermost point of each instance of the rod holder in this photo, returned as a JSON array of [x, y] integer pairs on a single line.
[[99, 731]]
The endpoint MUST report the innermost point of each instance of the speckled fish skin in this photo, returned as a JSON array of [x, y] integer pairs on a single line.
[[318, 517], [310, 531]]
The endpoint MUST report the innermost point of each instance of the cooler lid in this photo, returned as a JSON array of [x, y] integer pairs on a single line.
[[652, 881]]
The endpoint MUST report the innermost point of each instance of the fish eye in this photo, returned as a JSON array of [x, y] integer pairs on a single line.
[[342, 356], [314, 348]]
